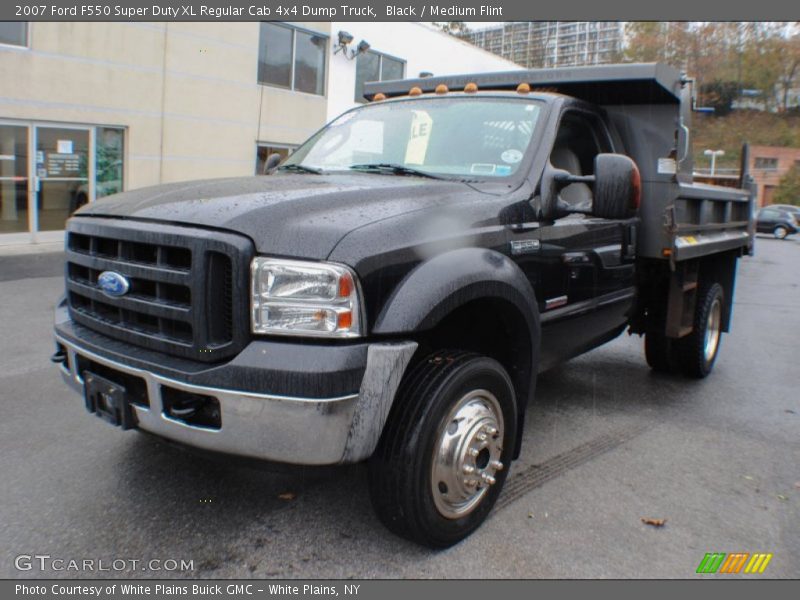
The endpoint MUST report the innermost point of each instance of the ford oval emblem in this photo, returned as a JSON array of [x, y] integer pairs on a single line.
[[113, 284]]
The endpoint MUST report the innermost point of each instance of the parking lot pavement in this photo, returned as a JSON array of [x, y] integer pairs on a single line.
[[607, 443]]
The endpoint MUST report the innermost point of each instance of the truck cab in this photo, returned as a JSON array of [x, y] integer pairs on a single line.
[[391, 291]]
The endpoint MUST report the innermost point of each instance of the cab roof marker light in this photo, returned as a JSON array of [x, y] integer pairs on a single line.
[[378, 97], [441, 89], [471, 88], [415, 91], [523, 88]]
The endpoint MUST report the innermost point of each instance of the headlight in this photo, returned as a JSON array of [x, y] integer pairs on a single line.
[[292, 297]]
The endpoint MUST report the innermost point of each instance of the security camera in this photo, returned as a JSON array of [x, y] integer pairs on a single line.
[[363, 46], [345, 38]]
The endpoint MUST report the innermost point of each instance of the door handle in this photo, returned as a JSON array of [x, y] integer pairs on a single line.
[[576, 259]]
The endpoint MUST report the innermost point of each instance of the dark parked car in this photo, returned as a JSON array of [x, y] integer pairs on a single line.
[[780, 222]]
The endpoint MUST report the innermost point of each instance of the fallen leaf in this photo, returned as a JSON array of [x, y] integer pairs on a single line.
[[530, 515], [287, 496], [747, 477], [654, 522], [790, 411], [782, 497]]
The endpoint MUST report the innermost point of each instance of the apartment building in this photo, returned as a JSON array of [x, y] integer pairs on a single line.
[[553, 43], [90, 109]]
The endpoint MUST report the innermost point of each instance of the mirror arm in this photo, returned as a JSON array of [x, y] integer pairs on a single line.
[[564, 179]]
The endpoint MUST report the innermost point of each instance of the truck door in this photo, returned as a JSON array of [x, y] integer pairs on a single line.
[[596, 254]]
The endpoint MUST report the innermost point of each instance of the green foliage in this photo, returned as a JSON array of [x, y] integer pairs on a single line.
[[728, 133], [758, 55], [788, 191], [719, 95]]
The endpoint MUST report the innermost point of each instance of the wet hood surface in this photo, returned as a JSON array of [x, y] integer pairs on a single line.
[[296, 215]]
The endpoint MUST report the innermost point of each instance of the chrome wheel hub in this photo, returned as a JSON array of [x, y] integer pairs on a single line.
[[711, 340], [467, 454]]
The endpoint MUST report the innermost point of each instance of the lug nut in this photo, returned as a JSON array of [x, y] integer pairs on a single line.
[[473, 452], [490, 430], [481, 437], [496, 465], [488, 479], [470, 482], [468, 469]]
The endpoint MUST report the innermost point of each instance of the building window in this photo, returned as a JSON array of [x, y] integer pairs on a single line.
[[14, 33], [264, 150], [292, 58], [374, 66], [109, 149], [768, 164]]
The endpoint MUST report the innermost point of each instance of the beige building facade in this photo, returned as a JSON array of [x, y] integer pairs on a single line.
[[91, 109]]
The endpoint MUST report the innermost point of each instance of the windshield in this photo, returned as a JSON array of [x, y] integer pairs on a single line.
[[450, 137]]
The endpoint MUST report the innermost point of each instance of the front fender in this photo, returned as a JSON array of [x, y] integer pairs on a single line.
[[442, 284]]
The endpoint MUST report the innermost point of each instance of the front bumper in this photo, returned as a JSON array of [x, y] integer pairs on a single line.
[[283, 428]]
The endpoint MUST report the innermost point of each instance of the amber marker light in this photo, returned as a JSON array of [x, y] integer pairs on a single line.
[[344, 320], [415, 91], [345, 286], [523, 88], [471, 88], [378, 97], [441, 89]]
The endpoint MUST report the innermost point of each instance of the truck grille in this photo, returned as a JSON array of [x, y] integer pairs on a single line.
[[187, 292]]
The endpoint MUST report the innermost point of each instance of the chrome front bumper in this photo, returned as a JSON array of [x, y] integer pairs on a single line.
[[303, 431]]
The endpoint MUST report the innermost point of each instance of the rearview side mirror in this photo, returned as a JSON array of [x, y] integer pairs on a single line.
[[617, 187], [273, 160]]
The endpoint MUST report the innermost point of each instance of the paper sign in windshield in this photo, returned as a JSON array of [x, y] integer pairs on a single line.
[[417, 148]]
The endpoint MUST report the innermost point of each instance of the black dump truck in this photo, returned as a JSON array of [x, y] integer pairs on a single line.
[[391, 291]]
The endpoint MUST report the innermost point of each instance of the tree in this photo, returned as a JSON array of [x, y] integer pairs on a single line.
[[456, 28], [719, 95], [788, 191]]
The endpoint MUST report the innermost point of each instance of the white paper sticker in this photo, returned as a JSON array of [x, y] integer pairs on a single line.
[[420, 136], [666, 166], [511, 156], [64, 147]]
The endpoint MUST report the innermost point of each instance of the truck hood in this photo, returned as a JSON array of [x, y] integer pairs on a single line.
[[293, 215]]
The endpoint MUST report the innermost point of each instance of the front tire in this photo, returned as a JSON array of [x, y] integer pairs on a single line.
[[698, 350], [445, 450], [780, 232]]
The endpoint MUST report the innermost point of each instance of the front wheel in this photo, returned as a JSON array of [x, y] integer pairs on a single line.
[[780, 232], [446, 449]]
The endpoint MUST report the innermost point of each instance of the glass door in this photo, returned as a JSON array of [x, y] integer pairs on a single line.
[[63, 174], [14, 181]]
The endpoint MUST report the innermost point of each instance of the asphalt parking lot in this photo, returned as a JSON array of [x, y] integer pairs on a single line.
[[607, 444]]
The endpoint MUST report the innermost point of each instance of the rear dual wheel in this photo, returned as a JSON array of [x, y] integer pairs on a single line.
[[693, 355], [445, 450]]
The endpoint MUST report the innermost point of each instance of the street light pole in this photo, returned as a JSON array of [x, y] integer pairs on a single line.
[[714, 154]]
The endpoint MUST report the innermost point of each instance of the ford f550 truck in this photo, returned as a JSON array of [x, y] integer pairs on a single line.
[[390, 292]]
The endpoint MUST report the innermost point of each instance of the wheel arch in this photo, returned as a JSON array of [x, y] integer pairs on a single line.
[[476, 300]]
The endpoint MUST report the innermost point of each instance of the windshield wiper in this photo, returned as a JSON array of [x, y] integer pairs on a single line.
[[300, 168], [393, 168]]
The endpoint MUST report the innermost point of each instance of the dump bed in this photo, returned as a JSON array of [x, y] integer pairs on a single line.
[[650, 107]]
